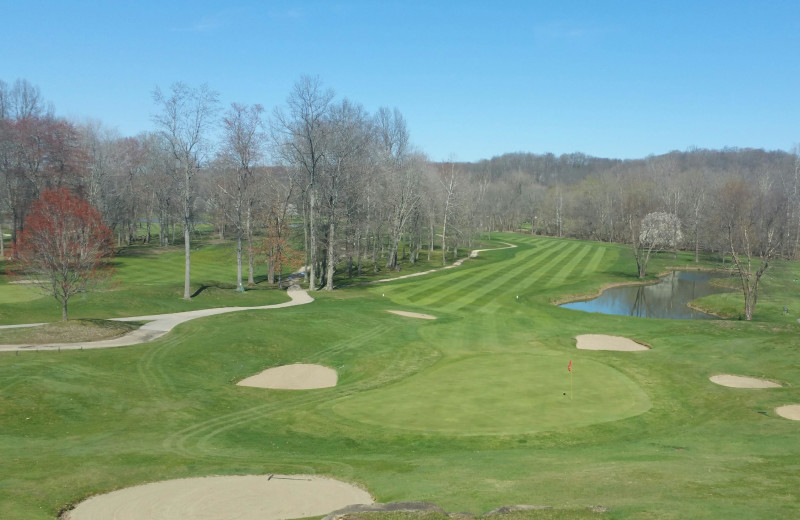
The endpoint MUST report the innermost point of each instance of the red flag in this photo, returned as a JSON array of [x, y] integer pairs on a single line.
[[569, 367]]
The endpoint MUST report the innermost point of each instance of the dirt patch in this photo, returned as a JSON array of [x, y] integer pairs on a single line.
[[65, 332], [603, 342], [742, 381], [293, 377], [249, 497], [414, 315], [790, 411]]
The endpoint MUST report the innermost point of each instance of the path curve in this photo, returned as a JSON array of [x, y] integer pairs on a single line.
[[457, 263], [160, 324]]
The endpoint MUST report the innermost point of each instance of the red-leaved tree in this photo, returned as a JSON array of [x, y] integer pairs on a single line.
[[64, 246]]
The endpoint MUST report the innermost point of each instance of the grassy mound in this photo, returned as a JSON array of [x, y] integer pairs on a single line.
[[72, 331]]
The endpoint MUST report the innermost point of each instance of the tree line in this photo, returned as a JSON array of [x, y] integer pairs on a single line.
[[366, 198]]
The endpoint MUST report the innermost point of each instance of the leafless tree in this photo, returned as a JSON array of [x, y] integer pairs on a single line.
[[185, 116], [448, 181], [346, 161], [753, 218], [243, 146], [299, 134]]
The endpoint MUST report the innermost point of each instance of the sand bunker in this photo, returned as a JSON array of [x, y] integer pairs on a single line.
[[293, 377], [790, 411], [251, 497], [603, 342], [414, 315], [742, 381]]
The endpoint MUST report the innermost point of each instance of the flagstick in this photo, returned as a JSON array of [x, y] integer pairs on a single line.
[[570, 385]]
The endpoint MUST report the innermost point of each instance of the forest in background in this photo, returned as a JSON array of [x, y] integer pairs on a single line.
[[365, 196]]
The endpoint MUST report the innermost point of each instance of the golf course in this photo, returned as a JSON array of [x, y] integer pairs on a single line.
[[451, 387]]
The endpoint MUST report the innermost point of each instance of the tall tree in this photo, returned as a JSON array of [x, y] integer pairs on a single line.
[[243, 144], [401, 175], [299, 133], [348, 137], [185, 116], [63, 246], [753, 218], [448, 183]]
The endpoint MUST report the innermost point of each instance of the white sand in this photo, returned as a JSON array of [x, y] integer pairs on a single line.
[[414, 315], [250, 497], [742, 381], [603, 342], [790, 411], [293, 377]]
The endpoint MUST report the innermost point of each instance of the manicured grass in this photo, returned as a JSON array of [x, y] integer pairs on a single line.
[[646, 435], [147, 280], [499, 394]]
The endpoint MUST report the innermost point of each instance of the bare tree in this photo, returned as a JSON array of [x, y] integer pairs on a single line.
[[401, 175], [447, 180], [185, 116], [348, 138], [753, 218], [242, 149], [299, 134]]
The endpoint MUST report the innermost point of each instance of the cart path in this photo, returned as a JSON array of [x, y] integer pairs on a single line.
[[158, 325], [457, 263]]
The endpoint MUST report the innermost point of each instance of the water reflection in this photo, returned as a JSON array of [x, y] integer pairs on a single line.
[[666, 299]]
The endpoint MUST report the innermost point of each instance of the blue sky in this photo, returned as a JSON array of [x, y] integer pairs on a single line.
[[473, 79]]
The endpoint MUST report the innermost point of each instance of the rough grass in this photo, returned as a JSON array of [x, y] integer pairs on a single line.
[[147, 280], [71, 331], [73, 424]]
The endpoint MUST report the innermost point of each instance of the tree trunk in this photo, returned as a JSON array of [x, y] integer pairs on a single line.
[[444, 240], [312, 243], [331, 256], [187, 288], [375, 251], [430, 244], [239, 286], [250, 259], [64, 316]]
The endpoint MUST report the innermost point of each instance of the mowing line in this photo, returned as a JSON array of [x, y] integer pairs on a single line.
[[486, 299], [409, 291], [509, 280], [591, 267], [467, 281], [412, 290], [488, 278], [566, 271]]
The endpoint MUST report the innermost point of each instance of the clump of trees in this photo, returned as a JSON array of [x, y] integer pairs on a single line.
[[363, 197]]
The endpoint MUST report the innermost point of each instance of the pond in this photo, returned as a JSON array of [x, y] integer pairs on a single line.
[[667, 299]]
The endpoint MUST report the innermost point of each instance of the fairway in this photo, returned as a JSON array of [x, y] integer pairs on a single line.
[[499, 394], [471, 410]]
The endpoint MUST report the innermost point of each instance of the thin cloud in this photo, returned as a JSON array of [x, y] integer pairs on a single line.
[[560, 30], [206, 23]]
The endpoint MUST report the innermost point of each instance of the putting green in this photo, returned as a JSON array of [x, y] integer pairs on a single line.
[[490, 394]]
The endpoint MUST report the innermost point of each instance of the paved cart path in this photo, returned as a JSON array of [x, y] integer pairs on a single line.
[[158, 325]]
